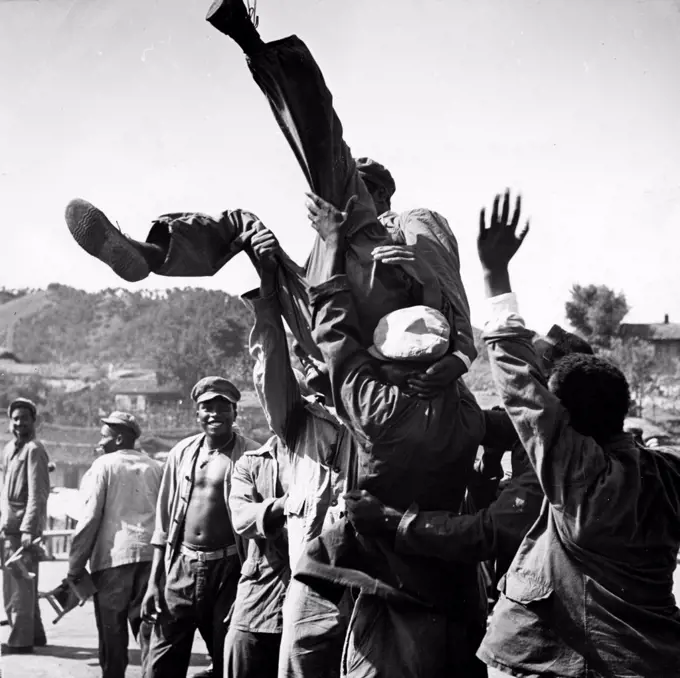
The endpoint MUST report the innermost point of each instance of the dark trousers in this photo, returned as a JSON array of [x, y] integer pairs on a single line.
[[251, 655], [392, 640], [198, 595], [117, 603], [314, 631], [198, 245], [21, 598]]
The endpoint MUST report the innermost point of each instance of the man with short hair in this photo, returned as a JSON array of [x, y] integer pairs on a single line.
[[118, 494], [590, 592], [196, 562], [23, 510], [499, 520]]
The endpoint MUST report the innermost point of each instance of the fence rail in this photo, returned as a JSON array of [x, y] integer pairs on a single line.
[[57, 543]]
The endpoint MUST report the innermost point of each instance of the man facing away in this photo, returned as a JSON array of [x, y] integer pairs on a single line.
[[590, 592], [119, 494], [196, 562], [25, 491], [500, 517]]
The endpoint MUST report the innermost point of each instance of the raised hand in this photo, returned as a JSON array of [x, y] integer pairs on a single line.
[[497, 244], [327, 220], [408, 258], [265, 247]]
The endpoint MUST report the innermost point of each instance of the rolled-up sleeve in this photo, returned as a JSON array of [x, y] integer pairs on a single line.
[[273, 376], [248, 509]]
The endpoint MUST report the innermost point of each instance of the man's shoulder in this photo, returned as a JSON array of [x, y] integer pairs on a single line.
[[247, 444], [185, 444], [260, 455], [35, 446]]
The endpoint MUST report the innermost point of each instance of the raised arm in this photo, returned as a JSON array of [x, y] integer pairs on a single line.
[[573, 469]]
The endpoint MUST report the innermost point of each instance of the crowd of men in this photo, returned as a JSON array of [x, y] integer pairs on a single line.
[[373, 534]]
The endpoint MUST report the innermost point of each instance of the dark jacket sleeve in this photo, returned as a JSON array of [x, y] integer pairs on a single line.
[[373, 408]]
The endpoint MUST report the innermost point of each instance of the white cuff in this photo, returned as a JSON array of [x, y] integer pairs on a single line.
[[503, 312], [466, 361]]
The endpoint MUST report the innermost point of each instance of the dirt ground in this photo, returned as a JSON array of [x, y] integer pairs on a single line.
[[72, 643]]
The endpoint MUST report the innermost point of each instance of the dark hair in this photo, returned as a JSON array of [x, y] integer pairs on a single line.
[[594, 392]]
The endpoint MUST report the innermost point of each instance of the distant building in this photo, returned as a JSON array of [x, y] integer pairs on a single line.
[[67, 379], [664, 337], [141, 395]]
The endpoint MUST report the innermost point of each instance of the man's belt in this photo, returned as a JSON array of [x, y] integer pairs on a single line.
[[200, 555]]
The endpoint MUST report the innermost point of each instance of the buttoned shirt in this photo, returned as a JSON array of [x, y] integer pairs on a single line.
[[259, 477], [177, 486], [590, 591], [322, 451], [118, 495], [25, 489]]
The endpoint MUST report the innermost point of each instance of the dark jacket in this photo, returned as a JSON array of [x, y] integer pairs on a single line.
[[410, 450], [590, 590]]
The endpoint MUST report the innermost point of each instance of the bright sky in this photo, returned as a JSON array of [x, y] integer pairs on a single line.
[[140, 107]]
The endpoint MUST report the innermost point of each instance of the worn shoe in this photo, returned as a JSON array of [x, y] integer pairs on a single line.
[[11, 649], [225, 14], [99, 237]]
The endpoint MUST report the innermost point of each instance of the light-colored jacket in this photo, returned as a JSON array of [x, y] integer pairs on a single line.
[[25, 488], [118, 498], [321, 449]]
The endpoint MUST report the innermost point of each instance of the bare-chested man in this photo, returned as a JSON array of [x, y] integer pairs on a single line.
[[196, 564]]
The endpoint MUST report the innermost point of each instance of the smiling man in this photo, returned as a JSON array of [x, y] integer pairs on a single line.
[[197, 562], [25, 491]]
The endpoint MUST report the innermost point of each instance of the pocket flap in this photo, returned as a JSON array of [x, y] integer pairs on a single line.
[[295, 504], [524, 589]]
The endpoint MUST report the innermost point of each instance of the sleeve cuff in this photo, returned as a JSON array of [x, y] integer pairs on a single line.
[[261, 517], [466, 360], [255, 302], [401, 540], [502, 314], [159, 539]]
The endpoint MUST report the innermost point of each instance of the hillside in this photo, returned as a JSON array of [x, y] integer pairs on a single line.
[[183, 333]]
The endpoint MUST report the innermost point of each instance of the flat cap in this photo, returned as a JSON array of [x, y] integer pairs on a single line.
[[215, 387], [375, 173], [417, 333], [22, 402], [123, 419]]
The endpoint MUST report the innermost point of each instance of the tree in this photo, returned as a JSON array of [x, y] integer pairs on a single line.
[[636, 360], [597, 312]]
